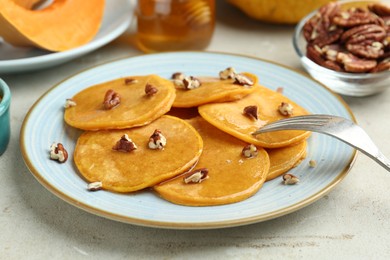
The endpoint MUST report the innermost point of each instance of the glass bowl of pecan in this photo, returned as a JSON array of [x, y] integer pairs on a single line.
[[346, 46]]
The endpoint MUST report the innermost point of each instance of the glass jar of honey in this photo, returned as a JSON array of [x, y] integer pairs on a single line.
[[172, 25]]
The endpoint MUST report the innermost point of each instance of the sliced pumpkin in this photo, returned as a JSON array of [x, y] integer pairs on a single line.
[[281, 11], [285, 158], [136, 108], [229, 117], [213, 90], [63, 25], [231, 177], [144, 167]]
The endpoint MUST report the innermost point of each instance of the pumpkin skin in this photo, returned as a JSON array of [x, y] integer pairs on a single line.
[[63, 25], [280, 11]]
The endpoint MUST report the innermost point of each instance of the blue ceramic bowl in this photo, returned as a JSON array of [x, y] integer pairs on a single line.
[[5, 129]]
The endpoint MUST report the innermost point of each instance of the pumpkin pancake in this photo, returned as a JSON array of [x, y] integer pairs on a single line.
[[213, 90], [136, 107], [231, 176], [230, 118], [143, 167], [284, 158]]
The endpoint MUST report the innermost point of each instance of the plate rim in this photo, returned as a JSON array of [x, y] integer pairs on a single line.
[[185, 225]]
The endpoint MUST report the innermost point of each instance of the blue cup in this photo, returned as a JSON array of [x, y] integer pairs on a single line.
[[5, 128]]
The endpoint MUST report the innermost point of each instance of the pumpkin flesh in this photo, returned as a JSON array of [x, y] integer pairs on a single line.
[[63, 25]]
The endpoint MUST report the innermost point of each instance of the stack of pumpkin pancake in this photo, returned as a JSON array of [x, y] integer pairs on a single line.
[[188, 138]]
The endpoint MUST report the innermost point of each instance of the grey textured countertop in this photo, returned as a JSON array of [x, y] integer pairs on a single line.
[[352, 221]]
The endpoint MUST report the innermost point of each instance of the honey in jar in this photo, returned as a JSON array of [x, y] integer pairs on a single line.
[[171, 25]]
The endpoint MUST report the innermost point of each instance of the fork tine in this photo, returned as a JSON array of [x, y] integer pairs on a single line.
[[271, 127], [341, 128], [308, 122], [308, 119]]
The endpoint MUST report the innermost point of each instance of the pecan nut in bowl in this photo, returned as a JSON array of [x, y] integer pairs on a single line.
[[346, 46]]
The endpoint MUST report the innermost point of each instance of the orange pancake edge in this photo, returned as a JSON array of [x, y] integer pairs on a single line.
[[285, 158], [135, 109], [213, 90], [229, 117], [144, 167], [231, 177]]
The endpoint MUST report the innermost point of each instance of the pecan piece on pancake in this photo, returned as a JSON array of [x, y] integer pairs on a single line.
[[111, 99], [251, 112], [249, 151], [196, 176], [125, 144], [150, 90], [157, 140]]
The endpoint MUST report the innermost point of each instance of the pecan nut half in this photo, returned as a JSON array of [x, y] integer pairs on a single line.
[[228, 73], [150, 90], [382, 66], [251, 112], [95, 186], [125, 144], [58, 153], [379, 9], [191, 82], [249, 151], [320, 30], [196, 176], [243, 80], [365, 40], [129, 81], [178, 76], [290, 179], [185, 82], [354, 64], [356, 16], [286, 109], [157, 140], [70, 103], [111, 99], [322, 57]]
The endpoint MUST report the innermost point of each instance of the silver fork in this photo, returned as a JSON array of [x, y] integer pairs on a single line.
[[339, 127]]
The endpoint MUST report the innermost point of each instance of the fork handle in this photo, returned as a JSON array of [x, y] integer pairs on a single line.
[[381, 159], [369, 149]]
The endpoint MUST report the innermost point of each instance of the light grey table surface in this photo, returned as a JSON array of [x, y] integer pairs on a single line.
[[351, 222]]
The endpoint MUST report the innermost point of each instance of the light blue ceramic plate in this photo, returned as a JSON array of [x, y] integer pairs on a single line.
[[116, 19], [44, 125]]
